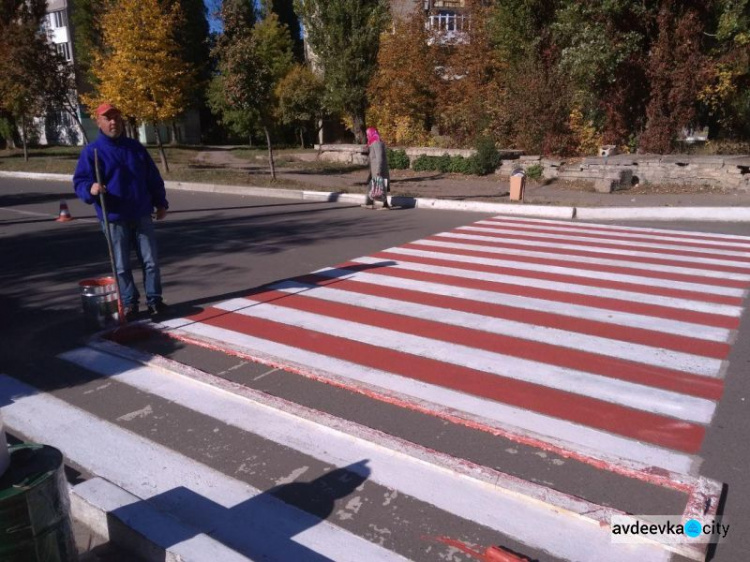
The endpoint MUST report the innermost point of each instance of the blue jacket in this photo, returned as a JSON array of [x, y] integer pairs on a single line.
[[134, 185]]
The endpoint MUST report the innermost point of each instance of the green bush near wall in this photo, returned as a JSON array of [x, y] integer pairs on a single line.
[[397, 159], [445, 164]]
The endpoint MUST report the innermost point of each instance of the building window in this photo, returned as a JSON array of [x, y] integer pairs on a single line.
[[58, 19], [63, 49]]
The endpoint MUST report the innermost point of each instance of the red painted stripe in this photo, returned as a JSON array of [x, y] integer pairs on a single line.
[[716, 320], [625, 230], [642, 336], [658, 377], [576, 280], [598, 255], [643, 426], [585, 233], [645, 273]]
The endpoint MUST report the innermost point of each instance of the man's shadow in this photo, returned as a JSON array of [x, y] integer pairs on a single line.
[[262, 527]]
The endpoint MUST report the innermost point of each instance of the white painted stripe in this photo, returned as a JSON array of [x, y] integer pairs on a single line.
[[533, 523], [151, 471], [661, 235], [587, 243], [700, 410], [654, 323], [574, 436], [511, 263], [536, 372], [574, 260], [618, 294], [598, 227]]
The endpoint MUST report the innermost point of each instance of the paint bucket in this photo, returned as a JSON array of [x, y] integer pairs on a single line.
[[35, 507], [99, 301], [4, 454]]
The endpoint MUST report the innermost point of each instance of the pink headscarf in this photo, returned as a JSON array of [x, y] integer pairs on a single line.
[[372, 135]]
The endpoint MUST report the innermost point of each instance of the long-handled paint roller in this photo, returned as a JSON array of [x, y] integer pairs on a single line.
[[107, 235]]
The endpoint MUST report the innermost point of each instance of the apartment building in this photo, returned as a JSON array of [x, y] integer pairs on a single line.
[[60, 127]]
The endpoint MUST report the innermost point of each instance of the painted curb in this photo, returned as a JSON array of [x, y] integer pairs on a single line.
[[136, 526], [708, 214]]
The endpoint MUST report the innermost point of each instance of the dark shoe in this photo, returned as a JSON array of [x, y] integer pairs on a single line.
[[158, 308], [131, 312]]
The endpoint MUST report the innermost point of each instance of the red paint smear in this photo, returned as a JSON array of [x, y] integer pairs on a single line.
[[643, 426]]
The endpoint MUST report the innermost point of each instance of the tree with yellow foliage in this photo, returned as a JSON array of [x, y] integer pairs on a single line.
[[140, 69]]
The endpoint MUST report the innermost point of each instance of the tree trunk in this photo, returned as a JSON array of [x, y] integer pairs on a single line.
[[358, 128], [270, 154], [174, 140], [162, 154], [250, 140], [24, 141], [319, 134]]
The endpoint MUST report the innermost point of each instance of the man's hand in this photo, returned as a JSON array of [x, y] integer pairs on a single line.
[[161, 212], [96, 189]]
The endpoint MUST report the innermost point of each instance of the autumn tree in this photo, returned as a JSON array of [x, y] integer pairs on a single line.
[[288, 17], [85, 17], [192, 34], [676, 66], [473, 82], [300, 94], [603, 48], [725, 96], [403, 96], [252, 62], [141, 69], [344, 36], [238, 18], [27, 64]]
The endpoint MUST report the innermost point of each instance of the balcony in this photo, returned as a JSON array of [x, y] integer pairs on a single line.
[[449, 27]]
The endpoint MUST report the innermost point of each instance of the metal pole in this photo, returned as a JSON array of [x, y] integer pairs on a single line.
[[120, 308]]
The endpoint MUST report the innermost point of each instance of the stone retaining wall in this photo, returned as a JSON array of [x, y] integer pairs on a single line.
[[606, 173], [623, 170]]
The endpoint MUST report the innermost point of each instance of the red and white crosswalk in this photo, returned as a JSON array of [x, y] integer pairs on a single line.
[[605, 340]]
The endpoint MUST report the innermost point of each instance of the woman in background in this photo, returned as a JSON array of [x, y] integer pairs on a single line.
[[379, 174]]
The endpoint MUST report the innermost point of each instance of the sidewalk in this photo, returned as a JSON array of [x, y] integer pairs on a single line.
[[492, 189]]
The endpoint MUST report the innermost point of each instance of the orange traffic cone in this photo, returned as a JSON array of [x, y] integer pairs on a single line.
[[64, 215]]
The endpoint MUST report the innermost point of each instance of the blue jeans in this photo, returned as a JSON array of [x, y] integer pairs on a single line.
[[138, 234]]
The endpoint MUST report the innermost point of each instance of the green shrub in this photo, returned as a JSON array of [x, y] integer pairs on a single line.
[[535, 171], [487, 158], [423, 164], [397, 159]]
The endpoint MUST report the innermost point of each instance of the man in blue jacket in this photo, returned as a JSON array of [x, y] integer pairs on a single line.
[[133, 189]]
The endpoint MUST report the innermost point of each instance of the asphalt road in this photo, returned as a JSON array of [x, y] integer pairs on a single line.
[[214, 247]]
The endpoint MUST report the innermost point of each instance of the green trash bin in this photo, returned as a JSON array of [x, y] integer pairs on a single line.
[[35, 507]]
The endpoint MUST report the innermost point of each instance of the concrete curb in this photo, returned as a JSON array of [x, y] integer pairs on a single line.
[[718, 214], [137, 527]]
